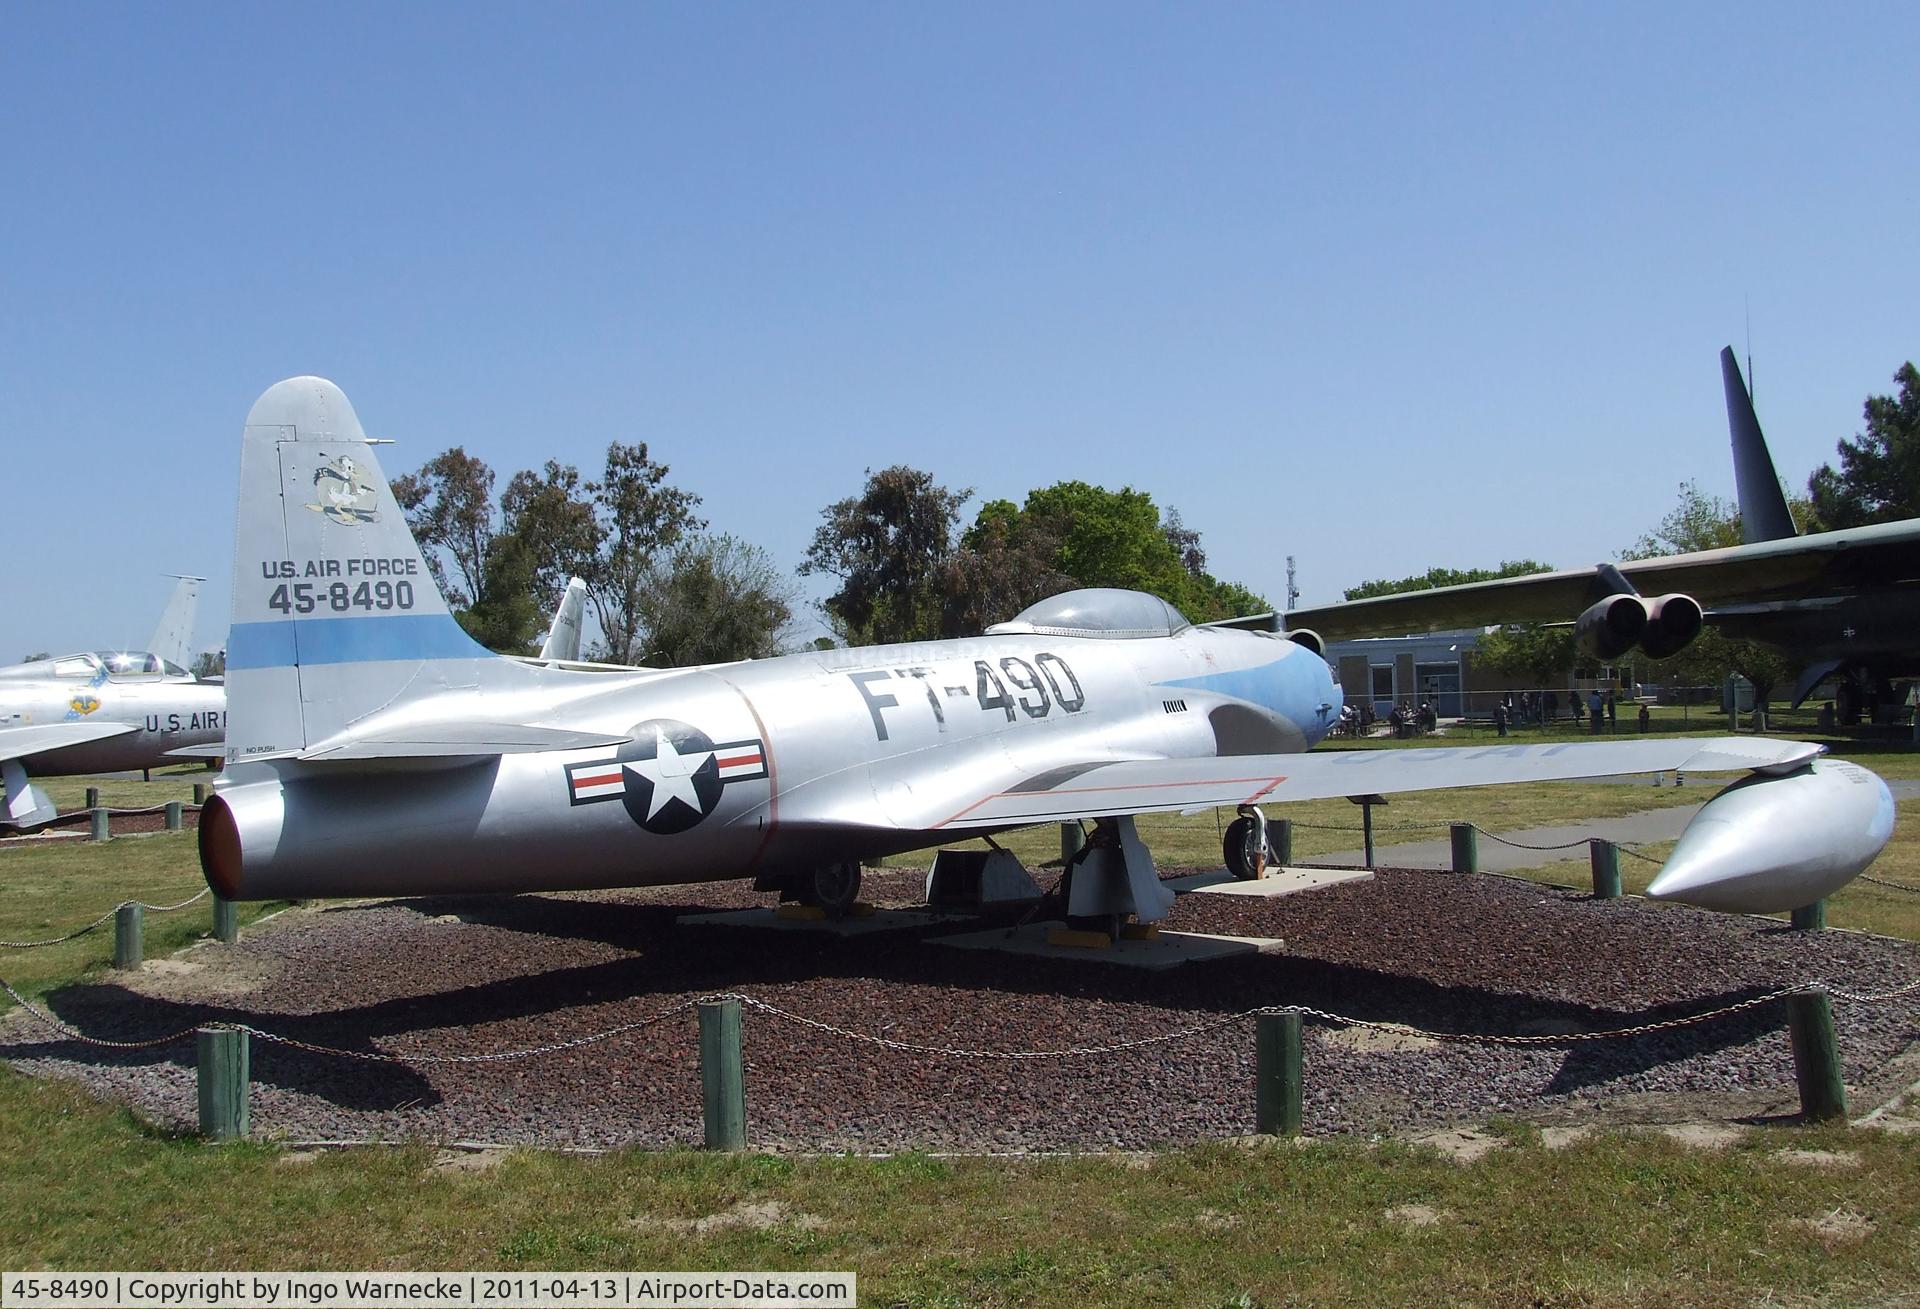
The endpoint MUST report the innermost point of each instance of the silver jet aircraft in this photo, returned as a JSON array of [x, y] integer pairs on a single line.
[[104, 712], [374, 749]]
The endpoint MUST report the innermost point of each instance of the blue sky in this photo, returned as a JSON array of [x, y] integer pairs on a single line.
[[1378, 287]]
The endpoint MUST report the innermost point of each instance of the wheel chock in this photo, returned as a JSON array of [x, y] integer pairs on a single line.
[[1140, 932], [800, 913], [1078, 939], [860, 909]]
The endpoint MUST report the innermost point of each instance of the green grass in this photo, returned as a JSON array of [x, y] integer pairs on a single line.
[[175, 783], [1615, 1220], [1619, 1219]]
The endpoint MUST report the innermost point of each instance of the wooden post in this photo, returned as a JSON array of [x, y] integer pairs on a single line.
[[1466, 848], [1816, 1056], [1277, 1082], [199, 793], [1279, 842], [1072, 837], [226, 920], [1811, 917], [176, 815], [225, 1083], [1605, 857], [93, 797], [128, 920], [722, 1090], [99, 825]]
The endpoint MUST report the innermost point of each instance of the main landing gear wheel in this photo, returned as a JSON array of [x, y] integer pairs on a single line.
[[1245, 849], [834, 887]]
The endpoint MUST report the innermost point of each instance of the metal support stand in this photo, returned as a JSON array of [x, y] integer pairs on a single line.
[[1278, 1085], [1072, 838], [722, 1088], [1366, 803]]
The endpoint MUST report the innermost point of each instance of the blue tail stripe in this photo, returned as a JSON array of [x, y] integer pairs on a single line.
[[384, 638]]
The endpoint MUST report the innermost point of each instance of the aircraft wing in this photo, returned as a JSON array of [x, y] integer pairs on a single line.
[[1138, 786], [1826, 563], [16, 742]]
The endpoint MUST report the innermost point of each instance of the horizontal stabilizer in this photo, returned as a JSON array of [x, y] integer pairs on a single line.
[[18, 742], [455, 740], [213, 750]]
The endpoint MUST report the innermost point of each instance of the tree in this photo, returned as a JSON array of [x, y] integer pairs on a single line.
[[640, 517], [1879, 476], [1539, 654], [449, 506], [552, 514], [1435, 577], [506, 616], [210, 663], [36, 657], [716, 599], [1005, 563], [1708, 522], [1118, 538], [889, 546]]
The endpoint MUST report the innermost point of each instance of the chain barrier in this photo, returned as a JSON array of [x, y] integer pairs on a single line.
[[1522, 845], [1632, 853], [77, 933], [1897, 886], [1377, 827], [962, 1052]]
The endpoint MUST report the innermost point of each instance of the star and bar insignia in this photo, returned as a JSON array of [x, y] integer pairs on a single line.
[[669, 777]]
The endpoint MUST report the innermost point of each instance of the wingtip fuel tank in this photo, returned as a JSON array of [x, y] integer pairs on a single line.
[[1768, 844]]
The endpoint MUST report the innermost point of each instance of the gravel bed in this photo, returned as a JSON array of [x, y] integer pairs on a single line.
[[1434, 950]]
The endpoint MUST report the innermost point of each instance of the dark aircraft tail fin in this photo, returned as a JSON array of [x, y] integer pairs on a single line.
[[1763, 509]]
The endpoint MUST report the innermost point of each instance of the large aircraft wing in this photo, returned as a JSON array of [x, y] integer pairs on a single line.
[[18, 742], [1139, 786], [1825, 563]]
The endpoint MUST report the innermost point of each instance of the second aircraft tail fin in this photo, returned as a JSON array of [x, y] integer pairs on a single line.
[[1763, 509]]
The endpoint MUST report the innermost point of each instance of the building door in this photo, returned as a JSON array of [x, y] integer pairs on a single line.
[[1440, 687]]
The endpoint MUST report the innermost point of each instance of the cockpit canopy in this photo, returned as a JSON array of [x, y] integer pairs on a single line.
[[1096, 611], [115, 663]]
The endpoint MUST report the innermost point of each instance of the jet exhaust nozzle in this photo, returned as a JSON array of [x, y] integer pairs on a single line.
[[1672, 623], [1611, 627]]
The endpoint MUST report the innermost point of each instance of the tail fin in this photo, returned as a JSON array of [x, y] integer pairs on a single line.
[[173, 639], [563, 638], [335, 614], [1763, 510]]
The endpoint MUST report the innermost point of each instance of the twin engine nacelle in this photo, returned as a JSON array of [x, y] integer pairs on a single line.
[[1661, 627]]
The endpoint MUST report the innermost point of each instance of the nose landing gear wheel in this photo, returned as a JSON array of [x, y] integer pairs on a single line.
[[1245, 849], [835, 888]]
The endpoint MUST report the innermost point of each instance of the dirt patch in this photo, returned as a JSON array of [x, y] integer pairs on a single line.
[[1417, 1215], [1842, 1226], [751, 1215], [207, 972], [1703, 1136], [1461, 1144], [1818, 1158], [1559, 1138], [1376, 1040], [1215, 1221], [467, 1161]]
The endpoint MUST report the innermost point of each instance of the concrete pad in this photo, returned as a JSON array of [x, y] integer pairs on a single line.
[[1167, 950], [1278, 881], [881, 920]]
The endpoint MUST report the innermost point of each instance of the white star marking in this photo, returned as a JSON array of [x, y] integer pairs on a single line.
[[671, 774]]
